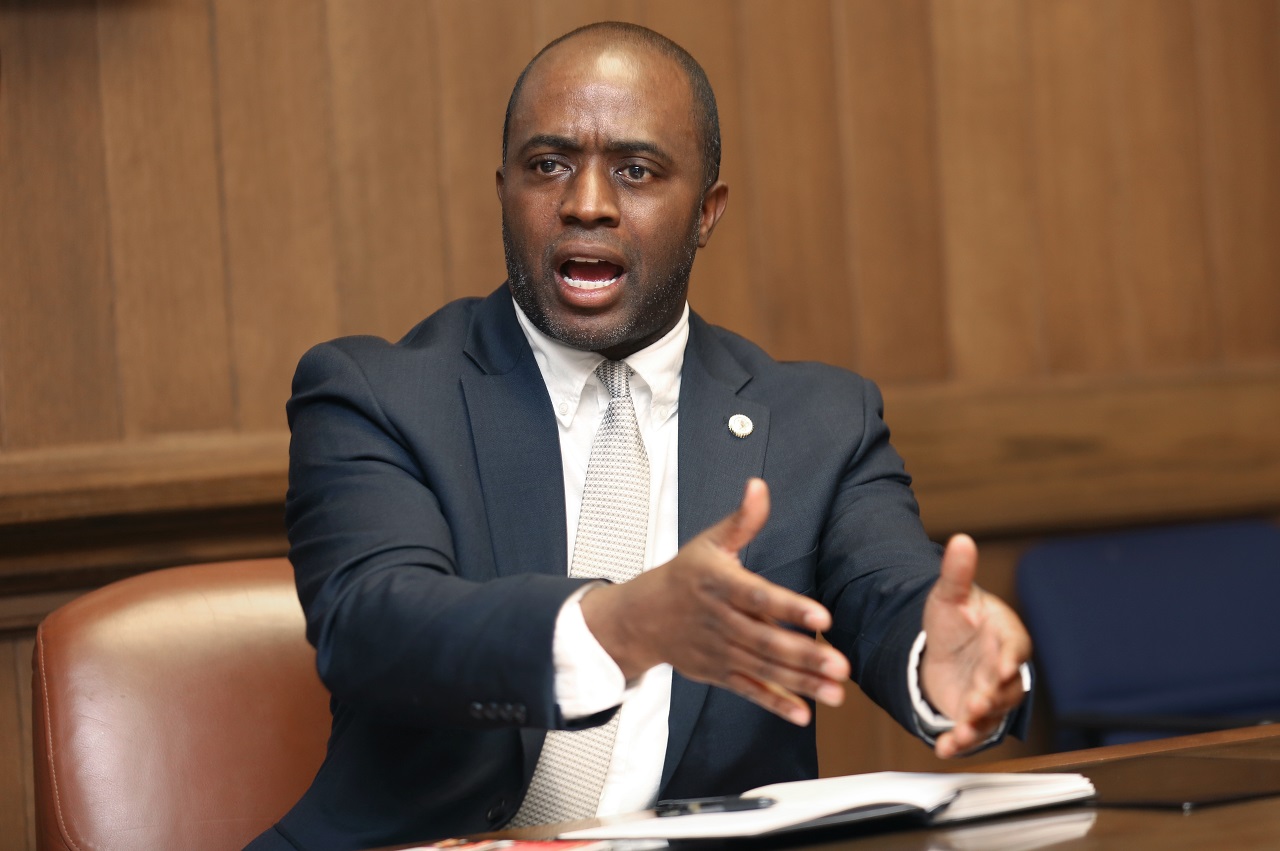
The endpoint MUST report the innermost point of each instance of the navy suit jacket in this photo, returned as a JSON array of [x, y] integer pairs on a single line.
[[427, 526]]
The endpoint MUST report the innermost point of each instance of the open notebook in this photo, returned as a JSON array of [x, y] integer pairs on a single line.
[[805, 804]]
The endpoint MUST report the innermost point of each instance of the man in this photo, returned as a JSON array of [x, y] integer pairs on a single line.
[[453, 496]]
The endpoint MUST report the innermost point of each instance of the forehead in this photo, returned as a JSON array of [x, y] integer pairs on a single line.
[[584, 90]]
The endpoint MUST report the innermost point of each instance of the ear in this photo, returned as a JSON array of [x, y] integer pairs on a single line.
[[713, 204], [498, 177]]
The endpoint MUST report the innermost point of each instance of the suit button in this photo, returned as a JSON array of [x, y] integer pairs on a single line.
[[497, 812], [476, 710], [519, 715], [491, 712]]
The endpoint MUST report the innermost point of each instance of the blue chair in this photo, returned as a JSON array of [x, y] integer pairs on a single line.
[[1156, 632]]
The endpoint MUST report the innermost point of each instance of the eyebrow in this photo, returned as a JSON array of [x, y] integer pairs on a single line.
[[619, 146]]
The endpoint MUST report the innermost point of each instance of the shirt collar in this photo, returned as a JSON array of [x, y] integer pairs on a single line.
[[566, 370]]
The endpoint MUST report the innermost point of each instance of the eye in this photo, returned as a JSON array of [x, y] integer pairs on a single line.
[[548, 166], [636, 172]]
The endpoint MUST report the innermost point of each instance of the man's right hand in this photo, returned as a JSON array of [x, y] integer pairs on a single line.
[[715, 621]]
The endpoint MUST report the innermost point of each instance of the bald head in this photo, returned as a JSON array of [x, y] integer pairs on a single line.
[[608, 34]]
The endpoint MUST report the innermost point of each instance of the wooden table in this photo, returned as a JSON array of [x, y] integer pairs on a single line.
[[1244, 826]]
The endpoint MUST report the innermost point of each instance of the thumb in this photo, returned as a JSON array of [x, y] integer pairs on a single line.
[[738, 529], [959, 567]]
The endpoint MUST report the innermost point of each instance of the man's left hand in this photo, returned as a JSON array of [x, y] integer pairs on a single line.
[[974, 650]]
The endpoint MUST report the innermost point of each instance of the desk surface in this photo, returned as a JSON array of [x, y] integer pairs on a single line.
[[1244, 826]]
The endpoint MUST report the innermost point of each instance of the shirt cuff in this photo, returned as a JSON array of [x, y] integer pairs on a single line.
[[932, 722], [588, 681]]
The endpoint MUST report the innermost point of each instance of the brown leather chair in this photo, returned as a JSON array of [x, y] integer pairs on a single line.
[[176, 709]]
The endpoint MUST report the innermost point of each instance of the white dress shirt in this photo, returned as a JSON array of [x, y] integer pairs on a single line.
[[587, 679]]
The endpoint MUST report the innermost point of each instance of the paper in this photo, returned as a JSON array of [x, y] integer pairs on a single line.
[[938, 798]]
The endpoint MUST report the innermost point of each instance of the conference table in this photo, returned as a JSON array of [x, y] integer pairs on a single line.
[[1245, 825]]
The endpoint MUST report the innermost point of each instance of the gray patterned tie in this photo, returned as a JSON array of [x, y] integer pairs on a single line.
[[612, 530]]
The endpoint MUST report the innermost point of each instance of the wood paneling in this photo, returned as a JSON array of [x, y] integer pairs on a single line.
[[1084, 320], [888, 150], [23, 648], [470, 159], [58, 375], [994, 275], [14, 777], [387, 140], [1159, 229], [1075, 454], [165, 208], [1239, 60], [788, 97], [552, 18], [723, 289], [952, 193], [275, 127], [174, 473]]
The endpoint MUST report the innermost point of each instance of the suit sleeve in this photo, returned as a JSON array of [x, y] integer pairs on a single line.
[[876, 569], [876, 566], [397, 630]]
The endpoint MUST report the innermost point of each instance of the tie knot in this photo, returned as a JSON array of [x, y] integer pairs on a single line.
[[616, 377]]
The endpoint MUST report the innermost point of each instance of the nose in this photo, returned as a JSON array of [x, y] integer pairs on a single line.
[[590, 199]]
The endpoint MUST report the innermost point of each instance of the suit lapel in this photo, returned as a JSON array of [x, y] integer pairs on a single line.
[[517, 450], [714, 468], [517, 446]]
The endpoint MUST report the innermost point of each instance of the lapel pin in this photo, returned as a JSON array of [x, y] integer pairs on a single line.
[[740, 425]]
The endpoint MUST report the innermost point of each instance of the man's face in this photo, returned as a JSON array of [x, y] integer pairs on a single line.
[[602, 201]]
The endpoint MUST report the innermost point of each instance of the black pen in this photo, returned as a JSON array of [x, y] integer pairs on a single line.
[[725, 804]]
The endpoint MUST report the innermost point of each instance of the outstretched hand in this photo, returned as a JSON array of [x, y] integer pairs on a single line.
[[975, 648], [716, 622]]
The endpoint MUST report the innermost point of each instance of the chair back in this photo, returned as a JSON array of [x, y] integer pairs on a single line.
[[1157, 631], [175, 709]]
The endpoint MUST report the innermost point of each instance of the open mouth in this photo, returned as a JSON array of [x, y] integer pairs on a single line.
[[585, 273]]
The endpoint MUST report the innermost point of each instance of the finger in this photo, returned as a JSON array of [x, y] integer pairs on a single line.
[[1008, 696], [945, 747], [762, 600], [959, 567], [995, 688], [772, 697], [965, 737], [765, 642], [738, 529], [808, 681]]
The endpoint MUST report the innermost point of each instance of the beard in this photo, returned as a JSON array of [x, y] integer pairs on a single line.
[[656, 298]]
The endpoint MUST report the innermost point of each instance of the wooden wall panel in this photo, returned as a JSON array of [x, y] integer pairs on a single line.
[[1239, 60], [1159, 230], [787, 99], [723, 289], [888, 146], [165, 209], [276, 139], [553, 18], [24, 644], [988, 206], [387, 134], [472, 103], [57, 357], [1085, 325], [14, 781], [1080, 454]]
